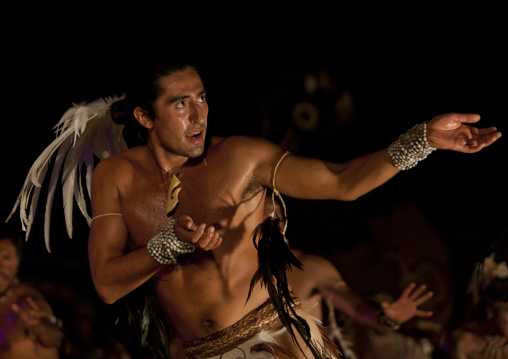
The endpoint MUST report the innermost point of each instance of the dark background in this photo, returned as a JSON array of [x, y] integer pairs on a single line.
[[399, 71]]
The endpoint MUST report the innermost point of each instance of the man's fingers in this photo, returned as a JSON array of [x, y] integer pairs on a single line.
[[208, 239], [480, 142], [464, 117], [186, 223], [417, 292], [487, 131], [211, 238], [201, 236], [198, 234], [407, 290], [424, 298], [424, 313], [214, 242], [451, 121]]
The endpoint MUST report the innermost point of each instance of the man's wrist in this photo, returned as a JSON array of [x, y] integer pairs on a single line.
[[386, 321], [410, 148], [165, 247], [52, 320]]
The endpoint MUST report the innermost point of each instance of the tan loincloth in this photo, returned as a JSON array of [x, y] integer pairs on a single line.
[[252, 337]]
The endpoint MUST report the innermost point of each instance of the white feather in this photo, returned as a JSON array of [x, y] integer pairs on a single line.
[[52, 188], [84, 131]]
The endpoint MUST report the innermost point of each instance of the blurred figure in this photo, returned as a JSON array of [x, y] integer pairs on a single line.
[[28, 328], [320, 284], [486, 334]]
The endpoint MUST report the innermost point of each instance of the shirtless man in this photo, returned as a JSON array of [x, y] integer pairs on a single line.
[[220, 203], [28, 328]]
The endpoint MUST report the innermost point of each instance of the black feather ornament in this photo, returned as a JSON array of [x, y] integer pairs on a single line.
[[274, 260], [146, 330]]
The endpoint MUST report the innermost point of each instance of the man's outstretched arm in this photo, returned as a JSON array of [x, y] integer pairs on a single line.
[[309, 178]]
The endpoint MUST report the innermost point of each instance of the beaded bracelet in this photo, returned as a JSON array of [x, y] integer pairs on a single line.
[[165, 247], [384, 320], [410, 148], [57, 322], [51, 320]]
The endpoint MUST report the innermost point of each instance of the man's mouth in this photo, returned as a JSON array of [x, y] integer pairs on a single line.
[[195, 136]]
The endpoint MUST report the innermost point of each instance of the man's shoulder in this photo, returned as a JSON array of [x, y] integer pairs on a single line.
[[243, 151], [121, 159], [240, 142], [235, 139]]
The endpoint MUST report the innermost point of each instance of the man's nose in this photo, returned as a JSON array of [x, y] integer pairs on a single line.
[[197, 114]]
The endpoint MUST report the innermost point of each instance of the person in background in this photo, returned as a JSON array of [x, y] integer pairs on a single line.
[[322, 289], [28, 328], [485, 334]]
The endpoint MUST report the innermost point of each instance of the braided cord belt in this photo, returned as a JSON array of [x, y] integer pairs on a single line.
[[261, 318]]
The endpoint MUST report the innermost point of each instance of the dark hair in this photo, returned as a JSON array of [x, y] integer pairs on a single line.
[[142, 89], [9, 232], [497, 291]]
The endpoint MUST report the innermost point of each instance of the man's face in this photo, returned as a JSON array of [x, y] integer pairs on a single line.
[[182, 112], [9, 263]]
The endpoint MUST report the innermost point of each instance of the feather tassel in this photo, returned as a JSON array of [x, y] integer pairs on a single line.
[[274, 260], [146, 323]]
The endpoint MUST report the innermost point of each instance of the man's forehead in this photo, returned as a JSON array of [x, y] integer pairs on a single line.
[[187, 80], [6, 243]]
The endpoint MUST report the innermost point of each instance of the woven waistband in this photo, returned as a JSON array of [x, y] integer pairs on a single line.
[[261, 318]]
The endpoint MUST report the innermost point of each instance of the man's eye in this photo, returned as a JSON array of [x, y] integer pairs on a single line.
[[202, 99], [6, 257], [180, 104]]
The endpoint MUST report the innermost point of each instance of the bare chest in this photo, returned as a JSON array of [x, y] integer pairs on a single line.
[[216, 195]]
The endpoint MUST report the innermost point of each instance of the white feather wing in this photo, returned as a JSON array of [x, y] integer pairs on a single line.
[[85, 132]]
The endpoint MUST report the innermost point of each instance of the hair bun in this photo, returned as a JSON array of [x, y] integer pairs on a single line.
[[121, 112]]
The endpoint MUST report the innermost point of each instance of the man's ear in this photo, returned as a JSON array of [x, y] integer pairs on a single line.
[[143, 118]]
